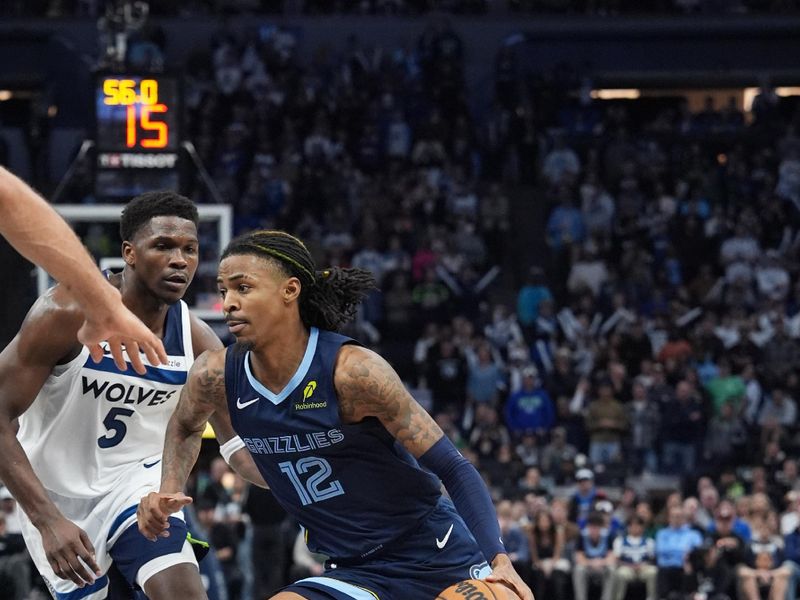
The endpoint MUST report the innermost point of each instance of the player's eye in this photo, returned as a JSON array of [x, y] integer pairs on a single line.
[[191, 250], [222, 293], [243, 288], [161, 246]]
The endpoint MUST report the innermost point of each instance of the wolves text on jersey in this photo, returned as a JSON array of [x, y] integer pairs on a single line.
[[126, 394]]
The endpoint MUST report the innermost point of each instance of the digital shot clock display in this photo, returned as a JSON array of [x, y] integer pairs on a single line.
[[137, 132]]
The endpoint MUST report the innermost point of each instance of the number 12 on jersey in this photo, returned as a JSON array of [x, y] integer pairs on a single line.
[[315, 488]]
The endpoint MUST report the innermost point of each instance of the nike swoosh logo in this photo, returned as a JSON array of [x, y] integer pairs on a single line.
[[240, 404], [443, 542], [151, 465]]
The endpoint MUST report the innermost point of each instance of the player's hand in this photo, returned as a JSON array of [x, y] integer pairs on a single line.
[[69, 551], [112, 321], [154, 510], [503, 572]]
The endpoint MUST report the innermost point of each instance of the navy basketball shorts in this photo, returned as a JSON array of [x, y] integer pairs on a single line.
[[439, 553], [132, 550]]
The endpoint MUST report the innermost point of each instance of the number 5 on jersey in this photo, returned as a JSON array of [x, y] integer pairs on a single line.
[[116, 425]]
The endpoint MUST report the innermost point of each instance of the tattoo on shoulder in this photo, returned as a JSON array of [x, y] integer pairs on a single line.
[[370, 387], [208, 386]]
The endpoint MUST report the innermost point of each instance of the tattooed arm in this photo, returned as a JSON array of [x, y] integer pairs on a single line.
[[201, 397], [368, 387]]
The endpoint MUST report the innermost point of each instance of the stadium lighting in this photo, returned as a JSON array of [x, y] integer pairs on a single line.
[[751, 92], [616, 94]]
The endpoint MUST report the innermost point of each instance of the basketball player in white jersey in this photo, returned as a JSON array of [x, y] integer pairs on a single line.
[[91, 435], [42, 236]]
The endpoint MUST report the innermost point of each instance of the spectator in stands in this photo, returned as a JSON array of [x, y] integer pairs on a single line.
[[791, 555], [730, 547], [15, 565], [709, 576], [673, 545], [588, 272], [778, 410], [635, 555], [676, 349], [430, 297], [548, 549], [10, 510], [565, 225], [561, 165], [780, 356], [584, 497], [763, 574], [562, 379], [488, 434], [504, 329], [691, 508], [726, 387], [682, 427], [594, 559], [607, 422], [644, 418], [530, 408], [514, 540], [223, 543], [597, 207], [625, 508], [485, 377], [635, 346], [557, 453], [531, 483], [529, 297], [447, 375], [726, 437], [398, 306], [269, 540], [215, 491]]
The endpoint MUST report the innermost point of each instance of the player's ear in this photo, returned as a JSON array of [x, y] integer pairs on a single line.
[[291, 289], [128, 253]]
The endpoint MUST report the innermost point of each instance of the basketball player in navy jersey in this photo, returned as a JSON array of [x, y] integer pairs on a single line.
[[334, 434], [91, 435], [42, 236]]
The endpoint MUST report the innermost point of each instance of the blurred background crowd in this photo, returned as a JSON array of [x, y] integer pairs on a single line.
[[620, 364], [61, 8]]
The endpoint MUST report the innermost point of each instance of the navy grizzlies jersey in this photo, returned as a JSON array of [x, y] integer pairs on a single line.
[[352, 487]]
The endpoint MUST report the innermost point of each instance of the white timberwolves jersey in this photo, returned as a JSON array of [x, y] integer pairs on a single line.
[[94, 436]]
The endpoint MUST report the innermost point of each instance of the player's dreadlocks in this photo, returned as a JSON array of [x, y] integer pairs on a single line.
[[328, 298]]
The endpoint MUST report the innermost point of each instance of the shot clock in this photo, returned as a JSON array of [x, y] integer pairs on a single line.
[[137, 133]]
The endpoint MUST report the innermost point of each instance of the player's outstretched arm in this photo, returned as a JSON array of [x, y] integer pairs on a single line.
[[368, 386], [203, 393], [36, 230], [47, 337]]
